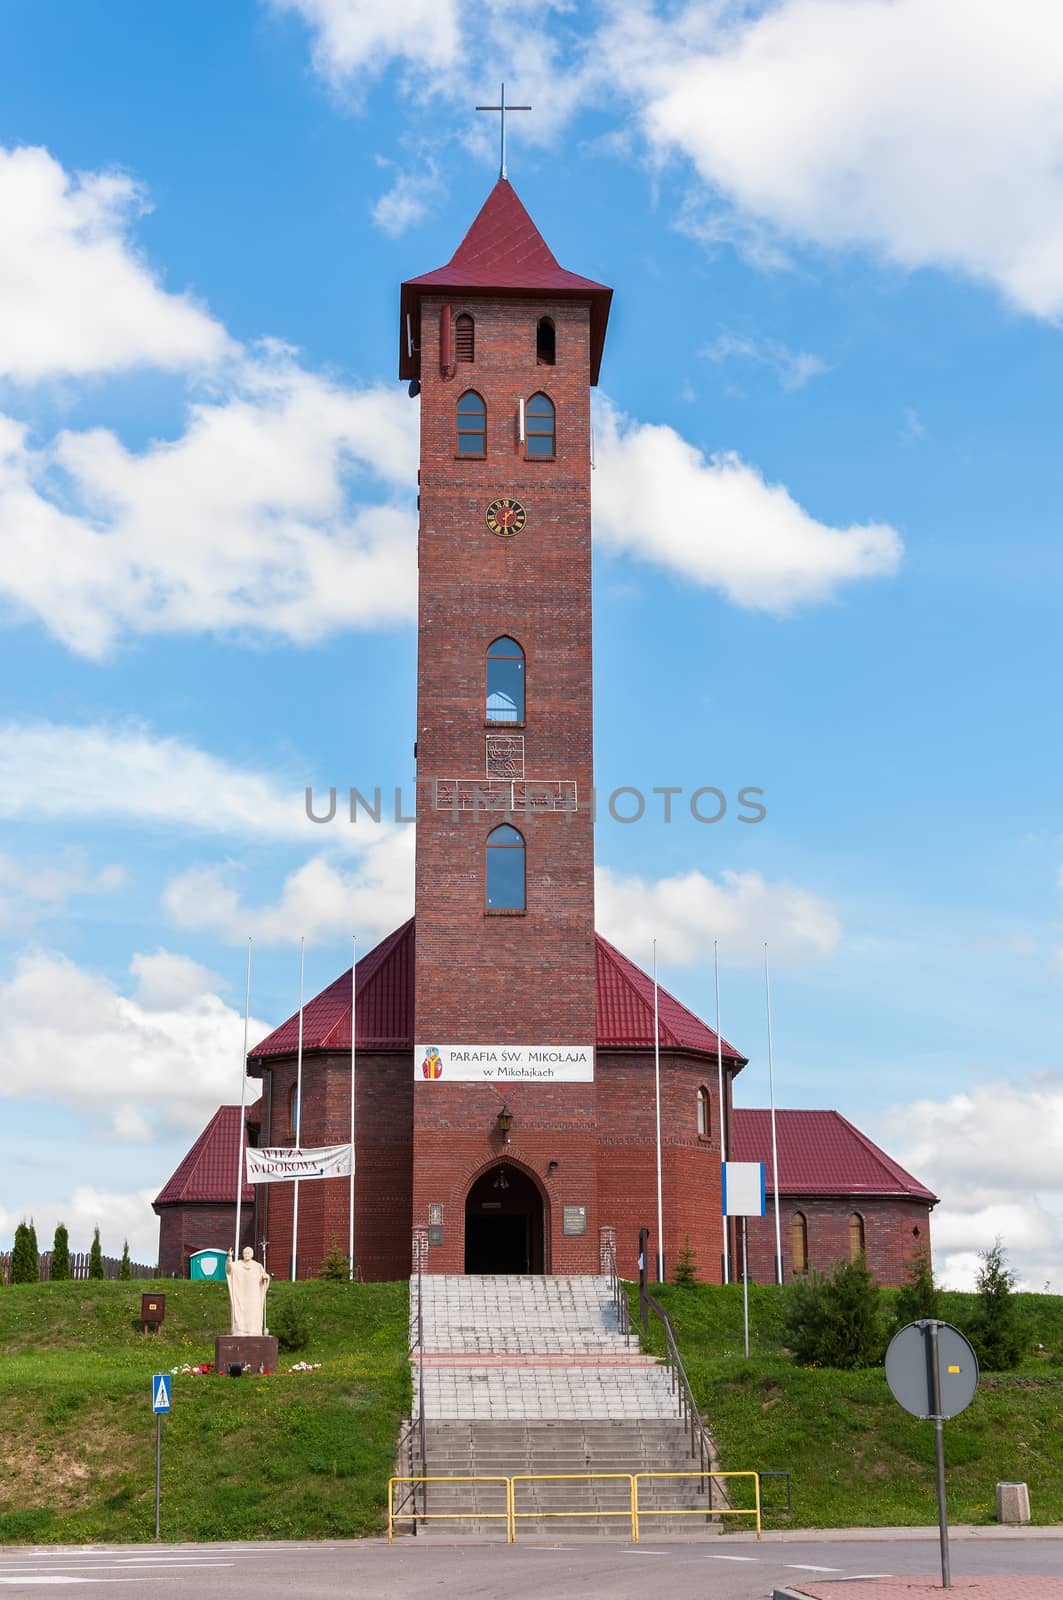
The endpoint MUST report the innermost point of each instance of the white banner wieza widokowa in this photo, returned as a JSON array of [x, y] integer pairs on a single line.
[[286, 1163]]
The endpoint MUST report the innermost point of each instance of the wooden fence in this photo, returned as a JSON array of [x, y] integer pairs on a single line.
[[79, 1266]]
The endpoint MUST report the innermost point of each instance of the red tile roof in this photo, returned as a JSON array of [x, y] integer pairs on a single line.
[[385, 1008], [504, 253], [625, 1010], [208, 1172], [820, 1152]]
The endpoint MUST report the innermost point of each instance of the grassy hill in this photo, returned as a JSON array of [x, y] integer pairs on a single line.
[[855, 1455], [306, 1454]]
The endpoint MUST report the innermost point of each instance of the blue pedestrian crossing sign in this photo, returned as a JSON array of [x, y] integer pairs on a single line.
[[160, 1392]]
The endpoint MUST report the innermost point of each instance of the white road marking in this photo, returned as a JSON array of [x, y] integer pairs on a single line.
[[732, 1558], [803, 1566], [851, 1577]]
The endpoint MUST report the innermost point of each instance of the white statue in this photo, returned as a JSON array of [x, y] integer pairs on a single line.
[[248, 1281]]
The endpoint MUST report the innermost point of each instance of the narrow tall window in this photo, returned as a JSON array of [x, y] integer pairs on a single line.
[[505, 682], [704, 1118], [464, 338], [293, 1110], [505, 869], [799, 1236], [546, 342], [472, 424], [540, 426], [856, 1236]]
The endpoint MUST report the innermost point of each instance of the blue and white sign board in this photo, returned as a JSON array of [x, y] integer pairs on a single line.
[[743, 1188], [160, 1392]]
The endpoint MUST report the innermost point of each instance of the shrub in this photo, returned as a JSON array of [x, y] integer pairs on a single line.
[[918, 1296], [994, 1328], [125, 1271], [685, 1272], [96, 1257], [336, 1267], [25, 1262], [289, 1325], [835, 1321], [60, 1254]]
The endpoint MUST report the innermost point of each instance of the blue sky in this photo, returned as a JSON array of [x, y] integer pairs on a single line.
[[826, 514]]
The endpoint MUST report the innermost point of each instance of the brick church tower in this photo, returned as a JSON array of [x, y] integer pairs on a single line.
[[505, 345]]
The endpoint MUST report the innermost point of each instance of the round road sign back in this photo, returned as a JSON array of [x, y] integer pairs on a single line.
[[909, 1370]]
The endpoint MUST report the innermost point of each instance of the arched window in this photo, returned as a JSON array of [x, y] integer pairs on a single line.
[[293, 1109], [704, 1117], [464, 338], [472, 424], [505, 869], [505, 682], [546, 342], [856, 1236], [799, 1237], [540, 426]]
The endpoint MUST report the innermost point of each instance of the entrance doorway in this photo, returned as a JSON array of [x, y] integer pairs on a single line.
[[504, 1223]]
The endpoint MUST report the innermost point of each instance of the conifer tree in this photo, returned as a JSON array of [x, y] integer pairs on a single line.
[[685, 1271], [918, 1296], [61, 1254], [995, 1331], [125, 1271], [96, 1257], [25, 1263]]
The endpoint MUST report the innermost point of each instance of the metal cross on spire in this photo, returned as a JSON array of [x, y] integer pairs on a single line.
[[503, 108]]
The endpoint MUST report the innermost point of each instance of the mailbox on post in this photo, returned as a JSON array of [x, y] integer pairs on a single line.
[[152, 1311]]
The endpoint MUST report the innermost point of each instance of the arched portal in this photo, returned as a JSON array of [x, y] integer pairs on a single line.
[[504, 1222]]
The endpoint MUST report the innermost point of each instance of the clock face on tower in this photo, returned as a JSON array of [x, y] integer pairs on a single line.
[[505, 517]]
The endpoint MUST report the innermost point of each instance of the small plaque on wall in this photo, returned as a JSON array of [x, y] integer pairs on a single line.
[[575, 1219], [435, 1215], [435, 1233]]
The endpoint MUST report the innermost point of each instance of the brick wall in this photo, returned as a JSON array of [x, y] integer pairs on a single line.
[[891, 1238], [183, 1229]]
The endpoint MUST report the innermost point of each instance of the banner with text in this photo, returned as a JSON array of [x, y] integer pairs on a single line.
[[287, 1163], [504, 1063]]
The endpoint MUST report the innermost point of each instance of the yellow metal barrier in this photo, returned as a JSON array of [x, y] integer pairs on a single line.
[[573, 1477], [698, 1511], [415, 1516], [511, 1516]]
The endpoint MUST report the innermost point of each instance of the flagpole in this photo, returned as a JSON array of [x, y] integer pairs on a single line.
[[298, 1108], [720, 1101], [354, 1058], [243, 1105], [774, 1137], [657, 1085]]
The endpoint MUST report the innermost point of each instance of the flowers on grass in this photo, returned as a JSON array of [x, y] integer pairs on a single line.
[[203, 1370], [305, 1366]]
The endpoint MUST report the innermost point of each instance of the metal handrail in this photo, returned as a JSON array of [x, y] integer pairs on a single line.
[[616, 1288], [417, 1425], [701, 1445]]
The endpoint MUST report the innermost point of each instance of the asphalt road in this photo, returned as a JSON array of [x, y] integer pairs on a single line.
[[733, 1568]]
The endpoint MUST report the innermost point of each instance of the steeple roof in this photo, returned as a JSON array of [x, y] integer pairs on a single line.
[[503, 253]]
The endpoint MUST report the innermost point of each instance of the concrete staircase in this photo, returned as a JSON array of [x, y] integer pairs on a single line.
[[531, 1375]]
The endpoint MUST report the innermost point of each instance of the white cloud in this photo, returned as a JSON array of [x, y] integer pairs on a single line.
[[740, 909], [75, 296], [243, 524], [54, 771], [119, 1217], [409, 197], [68, 1035], [993, 1154], [719, 523], [793, 368], [166, 981], [927, 131], [30, 889], [318, 901], [352, 37]]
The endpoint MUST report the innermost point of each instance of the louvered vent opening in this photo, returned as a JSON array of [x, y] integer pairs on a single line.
[[464, 339]]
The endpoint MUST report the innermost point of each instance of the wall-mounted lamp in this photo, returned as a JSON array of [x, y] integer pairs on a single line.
[[505, 1122]]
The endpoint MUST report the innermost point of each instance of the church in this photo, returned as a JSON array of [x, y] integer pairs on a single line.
[[505, 1055]]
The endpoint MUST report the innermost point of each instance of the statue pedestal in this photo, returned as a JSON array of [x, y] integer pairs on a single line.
[[255, 1355]]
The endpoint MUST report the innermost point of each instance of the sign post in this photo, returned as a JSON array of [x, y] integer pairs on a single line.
[[932, 1372], [160, 1403], [742, 1193]]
